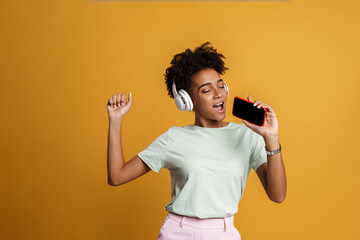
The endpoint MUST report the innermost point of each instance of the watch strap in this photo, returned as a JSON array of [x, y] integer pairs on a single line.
[[270, 153]]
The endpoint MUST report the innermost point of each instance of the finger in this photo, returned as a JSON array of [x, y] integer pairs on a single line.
[[123, 99], [256, 103], [114, 100], [110, 102], [262, 105], [269, 109], [249, 98], [118, 100], [247, 123]]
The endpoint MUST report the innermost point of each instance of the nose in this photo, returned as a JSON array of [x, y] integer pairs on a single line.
[[217, 93]]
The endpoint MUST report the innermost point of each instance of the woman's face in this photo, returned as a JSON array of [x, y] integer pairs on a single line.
[[207, 89]]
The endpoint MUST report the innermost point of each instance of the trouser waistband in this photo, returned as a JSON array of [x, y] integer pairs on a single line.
[[206, 223]]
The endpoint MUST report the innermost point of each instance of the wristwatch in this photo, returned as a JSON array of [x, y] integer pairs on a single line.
[[270, 153]]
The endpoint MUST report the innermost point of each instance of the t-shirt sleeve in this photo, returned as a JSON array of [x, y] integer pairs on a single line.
[[154, 154], [258, 154]]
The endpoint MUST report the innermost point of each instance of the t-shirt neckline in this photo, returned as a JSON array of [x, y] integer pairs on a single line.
[[209, 129]]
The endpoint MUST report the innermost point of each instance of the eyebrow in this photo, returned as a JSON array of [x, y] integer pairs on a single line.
[[208, 83]]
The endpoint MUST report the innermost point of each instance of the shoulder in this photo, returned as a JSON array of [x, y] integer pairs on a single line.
[[237, 125], [176, 130], [240, 128], [247, 133]]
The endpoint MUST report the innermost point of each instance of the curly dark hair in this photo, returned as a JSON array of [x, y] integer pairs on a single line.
[[184, 65]]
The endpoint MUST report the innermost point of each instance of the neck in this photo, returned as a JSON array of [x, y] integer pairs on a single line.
[[207, 123]]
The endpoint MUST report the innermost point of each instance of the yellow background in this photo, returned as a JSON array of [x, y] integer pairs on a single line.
[[62, 60]]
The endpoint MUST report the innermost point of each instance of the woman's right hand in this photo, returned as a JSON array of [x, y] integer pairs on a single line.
[[117, 105]]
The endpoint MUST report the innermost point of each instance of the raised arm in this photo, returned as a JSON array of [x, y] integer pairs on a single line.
[[272, 173], [118, 171]]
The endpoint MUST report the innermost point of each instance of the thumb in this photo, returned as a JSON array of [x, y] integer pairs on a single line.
[[249, 125], [130, 98], [127, 105]]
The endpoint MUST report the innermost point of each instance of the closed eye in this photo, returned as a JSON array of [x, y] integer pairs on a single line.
[[209, 90]]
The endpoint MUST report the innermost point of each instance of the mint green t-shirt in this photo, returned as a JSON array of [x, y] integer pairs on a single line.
[[208, 166]]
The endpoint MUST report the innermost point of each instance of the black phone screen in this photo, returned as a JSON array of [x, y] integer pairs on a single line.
[[245, 110]]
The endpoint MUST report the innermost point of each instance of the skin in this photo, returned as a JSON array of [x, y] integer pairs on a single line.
[[205, 96], [271, 174]]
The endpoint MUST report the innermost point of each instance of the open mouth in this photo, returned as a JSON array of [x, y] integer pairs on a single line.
[[219, 107]]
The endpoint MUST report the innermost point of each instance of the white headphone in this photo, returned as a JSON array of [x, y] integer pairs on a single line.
[[183, 100]]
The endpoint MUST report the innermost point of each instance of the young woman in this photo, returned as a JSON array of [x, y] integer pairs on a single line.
[[209, 160]]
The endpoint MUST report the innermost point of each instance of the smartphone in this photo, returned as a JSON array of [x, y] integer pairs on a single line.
[[246, 110]]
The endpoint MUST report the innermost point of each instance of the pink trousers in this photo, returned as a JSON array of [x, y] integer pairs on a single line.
[[178, 227]]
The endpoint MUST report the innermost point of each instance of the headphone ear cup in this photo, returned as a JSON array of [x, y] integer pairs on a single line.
[[186, 100], [178, 99], [179, 103], [191, 104], [226, 89]]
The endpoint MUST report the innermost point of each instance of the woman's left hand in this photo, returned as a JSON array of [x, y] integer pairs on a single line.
[[271, 126]]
